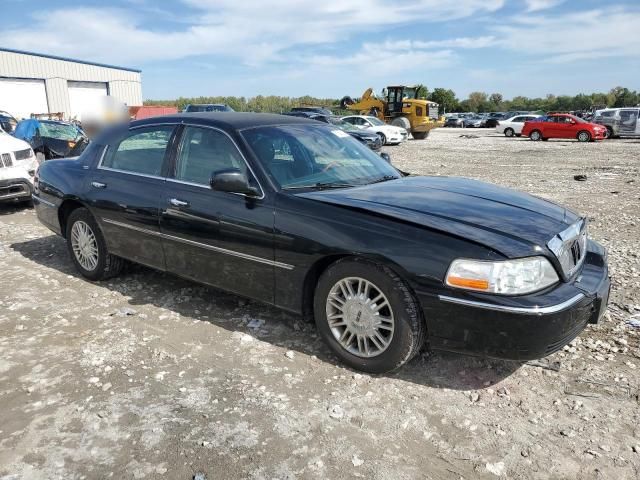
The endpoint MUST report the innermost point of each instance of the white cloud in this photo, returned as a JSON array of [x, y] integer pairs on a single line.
[[253, 31], [587, 35], [537, 5]]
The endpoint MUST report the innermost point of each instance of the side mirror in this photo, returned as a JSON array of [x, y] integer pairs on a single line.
[[232, 181], [386, 156]]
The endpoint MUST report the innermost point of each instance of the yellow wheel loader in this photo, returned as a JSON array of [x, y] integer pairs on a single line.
[[399, 107]]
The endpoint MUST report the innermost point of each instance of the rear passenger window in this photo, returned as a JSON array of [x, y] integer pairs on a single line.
[[141, 152], [204, 151]]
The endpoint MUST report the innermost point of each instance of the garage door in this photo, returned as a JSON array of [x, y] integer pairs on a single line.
[[21, 98], [85, 97]]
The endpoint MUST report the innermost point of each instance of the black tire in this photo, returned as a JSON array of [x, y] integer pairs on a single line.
[[535, 135], [609, 133], [108, 265], [509, 132], [409, 327], [420, 135], [383, 138], [583, 136], [345, 102]]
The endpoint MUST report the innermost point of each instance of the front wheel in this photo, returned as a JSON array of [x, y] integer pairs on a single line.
[[383, 139], [88, 249], [420, 135], [535, 135], [509, 132], [368, 316], [584, 136]]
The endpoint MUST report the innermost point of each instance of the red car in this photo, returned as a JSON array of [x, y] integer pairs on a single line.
[[563, 126]]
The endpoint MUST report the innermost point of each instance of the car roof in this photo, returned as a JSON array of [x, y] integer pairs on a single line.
[[227, 120]]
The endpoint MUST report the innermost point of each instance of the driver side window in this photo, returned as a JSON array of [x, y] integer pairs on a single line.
[[204, 151]]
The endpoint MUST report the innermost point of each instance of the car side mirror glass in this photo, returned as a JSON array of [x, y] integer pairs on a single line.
[[386, 156], [232, 181]]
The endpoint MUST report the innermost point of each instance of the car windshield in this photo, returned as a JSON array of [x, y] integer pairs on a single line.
[[58, 130], [316, 156], [375, 121]]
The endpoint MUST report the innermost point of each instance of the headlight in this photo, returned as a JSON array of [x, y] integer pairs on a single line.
[[508, 277]]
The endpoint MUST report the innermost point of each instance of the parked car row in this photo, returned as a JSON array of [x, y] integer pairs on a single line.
[[544, 127], [368, 129]]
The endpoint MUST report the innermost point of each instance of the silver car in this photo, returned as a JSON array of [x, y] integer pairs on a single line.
[[620, 122]]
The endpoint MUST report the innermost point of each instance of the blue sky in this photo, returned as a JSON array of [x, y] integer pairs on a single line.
[[330, 48]]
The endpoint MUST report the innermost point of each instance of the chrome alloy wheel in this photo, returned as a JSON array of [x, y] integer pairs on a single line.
[[85, 245], [584, 137], [360, 317]]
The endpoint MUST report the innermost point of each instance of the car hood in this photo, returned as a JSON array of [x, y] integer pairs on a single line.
[[9, 143], [512, 223], [391, 129]]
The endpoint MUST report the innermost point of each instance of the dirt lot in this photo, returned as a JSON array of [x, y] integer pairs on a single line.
[[150, 376]]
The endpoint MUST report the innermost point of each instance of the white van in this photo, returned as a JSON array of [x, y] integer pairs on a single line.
[[620, 122]]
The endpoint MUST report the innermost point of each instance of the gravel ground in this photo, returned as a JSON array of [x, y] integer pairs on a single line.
[[150, 376]]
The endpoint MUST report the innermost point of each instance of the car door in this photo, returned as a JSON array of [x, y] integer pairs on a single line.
[[219, 238], [516, 124], [125, 191], [550, 127], [628, 121], [566, 127]]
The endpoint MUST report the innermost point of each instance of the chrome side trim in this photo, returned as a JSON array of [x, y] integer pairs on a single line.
[[43, 201], [225, 251], [130, 173], [519, 310]]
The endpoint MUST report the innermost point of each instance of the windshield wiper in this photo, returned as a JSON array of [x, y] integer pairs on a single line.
[[321, 186], [384, 178]]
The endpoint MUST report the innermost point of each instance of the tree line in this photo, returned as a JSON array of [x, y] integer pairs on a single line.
[[475, 102]]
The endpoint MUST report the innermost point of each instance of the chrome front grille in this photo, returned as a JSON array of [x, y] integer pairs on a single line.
[[570, 247], [5, 160], [22, 154]]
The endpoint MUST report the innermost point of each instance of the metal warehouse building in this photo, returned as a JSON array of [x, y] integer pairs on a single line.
[[36, 83]]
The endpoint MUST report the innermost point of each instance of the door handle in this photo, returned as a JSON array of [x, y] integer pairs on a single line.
[[98, 185], [178, 203]]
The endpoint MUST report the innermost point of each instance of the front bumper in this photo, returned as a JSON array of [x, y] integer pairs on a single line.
[[520, 328], [15, 190]]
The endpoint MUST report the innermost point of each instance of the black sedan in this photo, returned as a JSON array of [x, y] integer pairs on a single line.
[[300, 215]]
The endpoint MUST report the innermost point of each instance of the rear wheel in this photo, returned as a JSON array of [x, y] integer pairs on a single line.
[[535, 135], [508, 132], [88, 249], [584, 136], [420, 135], [608, 133], [368, 316]]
